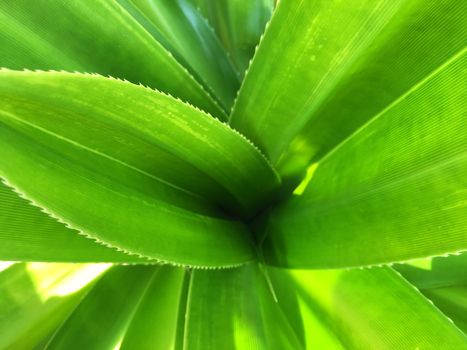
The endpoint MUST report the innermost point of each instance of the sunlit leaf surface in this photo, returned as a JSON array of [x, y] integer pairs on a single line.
[[233, 175]]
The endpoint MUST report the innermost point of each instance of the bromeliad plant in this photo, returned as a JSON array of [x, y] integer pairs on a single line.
[[234, 204]]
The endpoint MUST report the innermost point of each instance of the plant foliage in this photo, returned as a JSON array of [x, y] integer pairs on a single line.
[[196, 175]]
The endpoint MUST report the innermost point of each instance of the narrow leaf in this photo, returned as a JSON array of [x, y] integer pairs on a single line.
[[156, 322], [313, 327], [239, 25], [452, 301], [371, 309], [102, 318], [35, 298], [234, 309], [183, 31], [436, 272], [27, 234], [109, 169], [393, 191], [95, 37], [348, 62]]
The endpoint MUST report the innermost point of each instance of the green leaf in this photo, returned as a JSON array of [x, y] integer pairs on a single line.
[[369, 309], [234, 309], [102, 318], [313, 327], [239, 25], [103, 168], [393, 191], [35, 298], [436, 272], [444, 281], [183, 31], [325, 67], [452, 301], [156, 324], [27, 234], [98, 37]]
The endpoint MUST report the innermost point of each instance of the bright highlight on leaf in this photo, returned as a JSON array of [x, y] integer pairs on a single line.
[[233, 174]]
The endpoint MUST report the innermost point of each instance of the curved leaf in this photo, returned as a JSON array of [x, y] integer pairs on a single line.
[[313, 327], [27, 234], [393, 191], [158, 322], [102, 318], [370, 309], [452, 301], [35, 298], [234, 310], [239, 25], [95, 37], [348, 62], [436, 272], [104, 168], [183, 31]]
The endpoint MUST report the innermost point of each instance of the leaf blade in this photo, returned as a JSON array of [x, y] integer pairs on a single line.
[[101, 320], [181, 29], [27, 234], [71, 151], [155, 323], [37, 36], [35, 298], [373, 308], [239, 25], [415, 201], [350, 62], [234, 309]]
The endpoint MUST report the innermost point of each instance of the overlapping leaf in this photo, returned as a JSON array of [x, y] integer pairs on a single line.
[[121, 163], [95, 37], [393, 191], [183, 31], [102, 318], [27, 234], [35, 298], [239, 25], [443, 280], [324, 68], [362, 309], [235, 310]]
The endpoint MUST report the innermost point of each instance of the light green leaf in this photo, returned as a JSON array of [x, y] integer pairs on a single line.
[[313, 83], [95, 37], [183, 31], [100, 321], [436, 272], [35, 298], [395, 190], [239, 25], [27, 234], [234, 309], [370, 309], [104, 167], [313, 327], [156, 324]]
